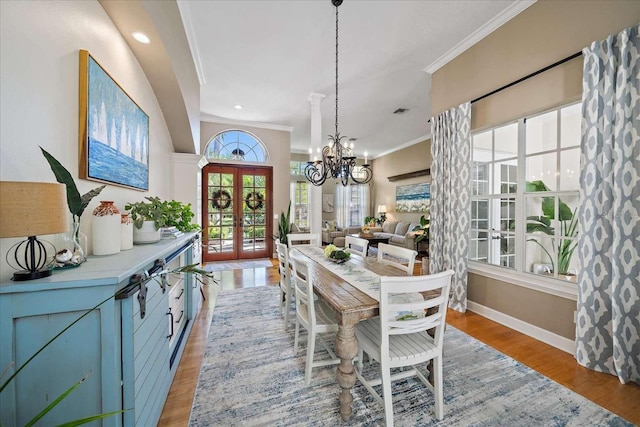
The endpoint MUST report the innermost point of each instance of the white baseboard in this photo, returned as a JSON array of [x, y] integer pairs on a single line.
[[533, 331]]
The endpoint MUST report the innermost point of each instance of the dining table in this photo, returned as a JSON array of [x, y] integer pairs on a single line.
[[351, 288]]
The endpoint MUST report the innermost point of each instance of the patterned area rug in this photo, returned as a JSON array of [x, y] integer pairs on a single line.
[[237, 265], [250, 377]]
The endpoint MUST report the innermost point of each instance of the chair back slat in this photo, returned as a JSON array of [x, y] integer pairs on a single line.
[[402, 258], [392, 286], [308, 239], [302, 284], [356, 245]]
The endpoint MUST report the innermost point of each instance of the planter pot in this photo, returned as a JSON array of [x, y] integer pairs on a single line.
[[106, 229], [126, 228], [146, 234]]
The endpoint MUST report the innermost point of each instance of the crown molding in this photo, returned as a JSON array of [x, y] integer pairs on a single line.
[[482, 32], [183, 7], [221, 120], [405, 145]]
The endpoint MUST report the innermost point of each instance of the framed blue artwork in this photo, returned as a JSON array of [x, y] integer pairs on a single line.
[[413, 198], [114, 131]]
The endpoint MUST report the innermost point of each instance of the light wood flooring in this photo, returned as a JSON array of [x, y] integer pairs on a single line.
[[604, 389]]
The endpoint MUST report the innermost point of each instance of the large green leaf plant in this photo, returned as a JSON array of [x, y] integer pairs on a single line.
[[567, 221], [284, 226], [77, 203]]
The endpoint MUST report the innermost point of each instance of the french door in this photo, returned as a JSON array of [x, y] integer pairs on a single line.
[[236, 212]]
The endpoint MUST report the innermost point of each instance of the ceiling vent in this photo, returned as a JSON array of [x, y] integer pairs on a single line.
[[401, 110]]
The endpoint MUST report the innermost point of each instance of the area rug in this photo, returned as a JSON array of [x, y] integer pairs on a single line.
[[250, 377], [237, 265]]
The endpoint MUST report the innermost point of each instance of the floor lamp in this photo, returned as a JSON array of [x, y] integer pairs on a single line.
[[28, 209]]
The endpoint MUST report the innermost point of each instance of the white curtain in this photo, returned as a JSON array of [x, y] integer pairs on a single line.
[[352, 203], [450, 213], [608, 321]]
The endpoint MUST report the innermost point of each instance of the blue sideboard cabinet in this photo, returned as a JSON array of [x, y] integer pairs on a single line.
[[128, 348]]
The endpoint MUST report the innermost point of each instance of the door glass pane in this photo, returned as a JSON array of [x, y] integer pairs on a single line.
[[254, 212]]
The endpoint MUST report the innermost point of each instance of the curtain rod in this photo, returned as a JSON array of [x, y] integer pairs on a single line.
[[535, 73]]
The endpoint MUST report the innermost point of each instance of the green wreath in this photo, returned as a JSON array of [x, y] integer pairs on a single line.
[[220, 202], [254, 201]]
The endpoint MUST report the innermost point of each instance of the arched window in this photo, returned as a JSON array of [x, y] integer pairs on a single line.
[[236, 145]]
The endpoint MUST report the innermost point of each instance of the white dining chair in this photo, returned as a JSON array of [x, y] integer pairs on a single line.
[[309, 239], [287, 292], [398, 338], [314, 315], [356, 245], [396, 256]]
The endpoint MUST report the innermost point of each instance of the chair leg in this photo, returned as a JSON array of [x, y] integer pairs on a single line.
[[437, 387], [386, 394], [287, 308], [311, 348], [296, 336], [281, 300]]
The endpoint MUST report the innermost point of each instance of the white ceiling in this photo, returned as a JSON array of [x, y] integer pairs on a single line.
[[269, 56]]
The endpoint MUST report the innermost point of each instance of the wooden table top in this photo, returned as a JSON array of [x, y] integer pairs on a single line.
[[349, 302]]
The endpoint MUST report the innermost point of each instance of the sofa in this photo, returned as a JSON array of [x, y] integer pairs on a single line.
[[398, 232], [331, 231]]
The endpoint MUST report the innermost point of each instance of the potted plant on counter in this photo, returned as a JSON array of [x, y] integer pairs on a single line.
[[562, 247], [150, 216]]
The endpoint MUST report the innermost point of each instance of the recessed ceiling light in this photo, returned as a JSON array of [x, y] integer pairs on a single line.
[[142, 38], [238, 107]]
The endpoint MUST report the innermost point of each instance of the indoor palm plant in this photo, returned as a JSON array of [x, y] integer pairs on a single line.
[[567, 221], [284, 226]]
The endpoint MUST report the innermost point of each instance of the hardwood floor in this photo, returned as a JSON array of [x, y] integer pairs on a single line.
[[604, 389]]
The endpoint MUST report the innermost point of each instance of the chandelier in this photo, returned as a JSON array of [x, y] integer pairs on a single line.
[[338, 160]]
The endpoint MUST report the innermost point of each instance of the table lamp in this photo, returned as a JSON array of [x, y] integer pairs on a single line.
[[382, 210], [28, 209]]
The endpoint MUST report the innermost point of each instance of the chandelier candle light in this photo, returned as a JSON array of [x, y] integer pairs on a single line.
[[338, 160]]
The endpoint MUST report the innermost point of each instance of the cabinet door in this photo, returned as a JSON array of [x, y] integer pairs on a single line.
[[90, 348]]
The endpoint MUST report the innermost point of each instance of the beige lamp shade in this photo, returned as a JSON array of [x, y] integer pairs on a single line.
[[32, 209], [382, 209]]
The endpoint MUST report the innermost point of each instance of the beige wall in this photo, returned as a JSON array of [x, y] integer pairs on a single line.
[[277, 143], [541, 35], [39, 44], [410, 159]]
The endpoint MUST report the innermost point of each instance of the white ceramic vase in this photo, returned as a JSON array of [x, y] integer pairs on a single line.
[[106, 229], [126, 229], [147, 234]]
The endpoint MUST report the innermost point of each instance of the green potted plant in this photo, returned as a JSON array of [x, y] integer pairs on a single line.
[[370, 221], [422, 230], [77, 203], [568, 222], [153, 214], [284, 225]]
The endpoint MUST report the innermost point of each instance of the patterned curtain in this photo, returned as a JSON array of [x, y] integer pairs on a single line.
[[450, 214], [608, 324]]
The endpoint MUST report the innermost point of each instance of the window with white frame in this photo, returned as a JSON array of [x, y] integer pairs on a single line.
[[300, 204], [236, 145], [524, 184]]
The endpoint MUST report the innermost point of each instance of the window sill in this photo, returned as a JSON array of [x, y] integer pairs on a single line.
[[568, 290]]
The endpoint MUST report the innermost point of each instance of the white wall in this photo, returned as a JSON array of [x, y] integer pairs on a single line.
[[39, 44]]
